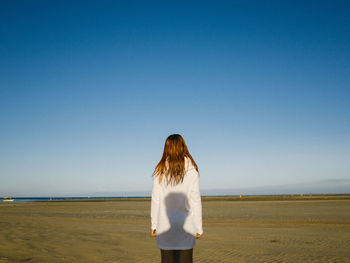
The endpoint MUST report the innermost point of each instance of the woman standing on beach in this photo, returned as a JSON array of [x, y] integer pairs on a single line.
[[176, 209]]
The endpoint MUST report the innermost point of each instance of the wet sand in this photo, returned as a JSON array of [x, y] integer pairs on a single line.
[[118, 231]]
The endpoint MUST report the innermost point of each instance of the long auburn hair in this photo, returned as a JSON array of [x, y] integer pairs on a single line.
[[172, 164]]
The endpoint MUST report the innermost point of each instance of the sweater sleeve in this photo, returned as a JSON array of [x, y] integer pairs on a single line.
[[155, 203], [197, 204]]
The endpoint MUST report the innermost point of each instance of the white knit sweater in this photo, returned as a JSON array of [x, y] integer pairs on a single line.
[[176, 211]]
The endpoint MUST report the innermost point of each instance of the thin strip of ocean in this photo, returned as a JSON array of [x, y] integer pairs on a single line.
[[35, 199]]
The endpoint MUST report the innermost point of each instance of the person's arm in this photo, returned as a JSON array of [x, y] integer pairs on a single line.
[[197, 205], [154, 205]]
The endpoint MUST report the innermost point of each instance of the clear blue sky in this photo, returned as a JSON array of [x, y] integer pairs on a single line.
[[89, 91]]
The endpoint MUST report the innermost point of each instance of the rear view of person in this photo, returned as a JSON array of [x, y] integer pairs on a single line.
[[176, 209]]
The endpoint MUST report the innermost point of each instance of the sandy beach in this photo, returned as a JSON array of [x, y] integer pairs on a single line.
[[118, 231]]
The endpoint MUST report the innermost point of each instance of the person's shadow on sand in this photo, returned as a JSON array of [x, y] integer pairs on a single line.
[[177, 209]]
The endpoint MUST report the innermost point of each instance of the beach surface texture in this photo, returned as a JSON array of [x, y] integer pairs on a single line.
[[119, 231]]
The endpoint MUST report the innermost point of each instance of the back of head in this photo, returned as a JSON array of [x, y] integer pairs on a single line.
[[172, 164]]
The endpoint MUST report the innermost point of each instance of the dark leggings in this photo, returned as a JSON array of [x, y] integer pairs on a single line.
[[183, 256]]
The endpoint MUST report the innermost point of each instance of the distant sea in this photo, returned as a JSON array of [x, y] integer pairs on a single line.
[[35, 199], [246, 197]]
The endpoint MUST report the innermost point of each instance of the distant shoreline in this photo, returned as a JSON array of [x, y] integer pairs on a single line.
[[284, 197]]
